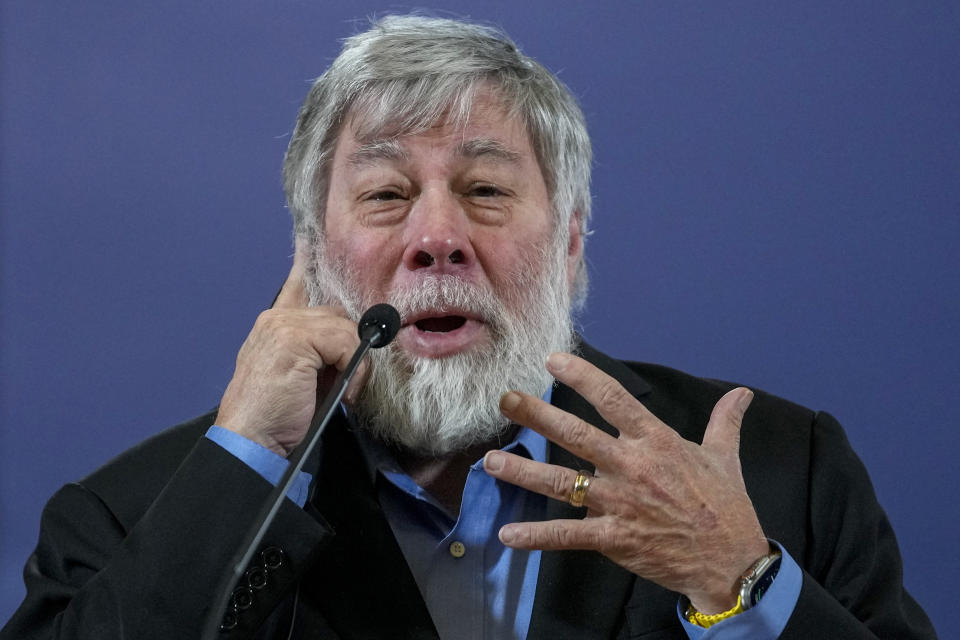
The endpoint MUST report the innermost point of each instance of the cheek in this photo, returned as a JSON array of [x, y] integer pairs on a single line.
[[371, 257], [511, 259]]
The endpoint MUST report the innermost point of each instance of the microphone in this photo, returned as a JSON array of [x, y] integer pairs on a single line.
[[379, 324], [377, 328]]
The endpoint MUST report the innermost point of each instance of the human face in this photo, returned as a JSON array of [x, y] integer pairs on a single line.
[[465, 200]]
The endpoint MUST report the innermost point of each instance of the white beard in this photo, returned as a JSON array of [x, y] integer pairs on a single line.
[[436, 406]]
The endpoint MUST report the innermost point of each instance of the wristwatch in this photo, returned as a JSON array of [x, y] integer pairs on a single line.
[[758, 578]]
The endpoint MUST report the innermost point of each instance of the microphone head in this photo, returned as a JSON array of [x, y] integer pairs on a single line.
[[379, 325]]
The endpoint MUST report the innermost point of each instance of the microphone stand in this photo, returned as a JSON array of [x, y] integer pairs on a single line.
[[375, 332]]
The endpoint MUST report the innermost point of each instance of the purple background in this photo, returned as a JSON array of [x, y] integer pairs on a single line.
[[777, 197]]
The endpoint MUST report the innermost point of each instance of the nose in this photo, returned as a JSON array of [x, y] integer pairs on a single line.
[[438, 235]]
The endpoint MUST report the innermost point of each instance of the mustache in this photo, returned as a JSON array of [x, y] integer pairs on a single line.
[[443, 293]]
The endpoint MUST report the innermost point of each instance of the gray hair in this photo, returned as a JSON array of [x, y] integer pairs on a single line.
[[408, 72]]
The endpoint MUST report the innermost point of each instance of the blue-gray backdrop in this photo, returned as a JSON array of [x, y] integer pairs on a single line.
[[777, 197]]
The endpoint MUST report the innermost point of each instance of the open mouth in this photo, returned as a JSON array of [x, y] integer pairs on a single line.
[[437, 333], [441, 324]]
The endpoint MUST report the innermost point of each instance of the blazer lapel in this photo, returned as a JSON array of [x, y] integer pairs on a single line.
[[582, 594], [360, 582], [363, 587]]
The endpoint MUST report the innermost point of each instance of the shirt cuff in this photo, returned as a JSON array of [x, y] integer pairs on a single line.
[[765, 620], [267, 463]]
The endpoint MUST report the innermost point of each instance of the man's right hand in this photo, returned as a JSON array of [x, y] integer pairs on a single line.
[[273, 393]]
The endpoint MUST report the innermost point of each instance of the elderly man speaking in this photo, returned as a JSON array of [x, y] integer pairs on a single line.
[[490, 475]]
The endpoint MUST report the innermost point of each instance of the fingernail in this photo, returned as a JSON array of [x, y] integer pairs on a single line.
[[558, 362], [745, 400], [493, 461], [507, 535], [349, 395], [353, 390], [509, 401]]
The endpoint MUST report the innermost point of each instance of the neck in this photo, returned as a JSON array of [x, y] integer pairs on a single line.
[[444, 477]]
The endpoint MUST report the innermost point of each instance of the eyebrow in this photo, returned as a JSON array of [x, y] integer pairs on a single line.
[[486, 147], [376, 151], [372, 152]]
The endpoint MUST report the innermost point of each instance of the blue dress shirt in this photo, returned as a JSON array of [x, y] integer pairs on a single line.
[[474, 586], [767, 618], [267, 463]]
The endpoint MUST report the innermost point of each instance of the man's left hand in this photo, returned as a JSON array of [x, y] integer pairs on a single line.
[[665, 508]]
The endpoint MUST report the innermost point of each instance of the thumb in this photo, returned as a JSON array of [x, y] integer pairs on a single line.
[[723, 429], [293, 294]]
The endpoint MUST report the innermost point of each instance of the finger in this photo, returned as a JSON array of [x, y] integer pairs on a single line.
[[546, 479], [334, 337], [335, 342], [723, 429], [570, 432], [608, 397], [319, 336], [551, 535], [293, 294], [356, 383]]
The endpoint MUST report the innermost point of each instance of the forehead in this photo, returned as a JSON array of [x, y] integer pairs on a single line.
[[483, 127]]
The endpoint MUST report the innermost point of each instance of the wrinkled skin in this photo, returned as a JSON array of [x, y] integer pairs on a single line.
[[669, 510]]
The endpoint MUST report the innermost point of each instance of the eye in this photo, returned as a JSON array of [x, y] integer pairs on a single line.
[[384, 196], [485, 191]]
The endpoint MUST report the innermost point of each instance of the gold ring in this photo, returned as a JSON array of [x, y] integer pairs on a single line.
[[580, 485]]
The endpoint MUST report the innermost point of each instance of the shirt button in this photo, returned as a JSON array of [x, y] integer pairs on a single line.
[[457, 549]]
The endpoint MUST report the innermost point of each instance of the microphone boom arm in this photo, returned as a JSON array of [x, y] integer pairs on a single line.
[[377, 328]]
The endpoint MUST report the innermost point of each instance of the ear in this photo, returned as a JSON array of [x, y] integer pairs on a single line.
[[574, 249]]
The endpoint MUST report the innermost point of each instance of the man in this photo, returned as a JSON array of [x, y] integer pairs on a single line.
[[491, 475]]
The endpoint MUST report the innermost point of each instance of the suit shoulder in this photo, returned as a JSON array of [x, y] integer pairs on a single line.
[[679, 387], [133, 479]]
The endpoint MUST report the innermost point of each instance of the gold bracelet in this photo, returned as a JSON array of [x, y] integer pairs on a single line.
[[705, 621]]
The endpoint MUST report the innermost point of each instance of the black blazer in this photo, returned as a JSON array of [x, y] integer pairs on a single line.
[[136, 549]]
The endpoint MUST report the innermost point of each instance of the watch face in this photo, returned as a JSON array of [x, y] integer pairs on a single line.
[[763, 582]]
